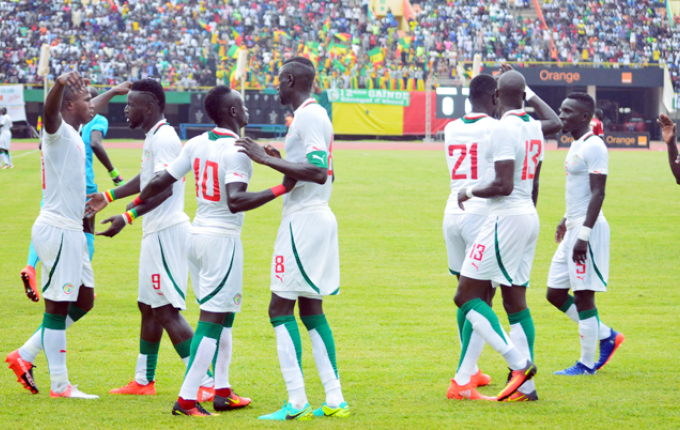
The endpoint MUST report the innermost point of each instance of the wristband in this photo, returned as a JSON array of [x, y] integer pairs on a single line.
[[137, 201], [529, 93], [114, 173], [468, 192], [278, 190], [130, 216], [584, 233], [109, 195]]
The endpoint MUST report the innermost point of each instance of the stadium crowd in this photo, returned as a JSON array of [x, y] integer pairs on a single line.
[[192, 43]]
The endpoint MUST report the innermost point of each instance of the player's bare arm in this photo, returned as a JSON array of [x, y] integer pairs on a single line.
[[160, 182], [97, 201], [501, 185], [597, 186], [300, 172], [668, 132], [240, 200], [118, 222], [103, 99], [534, 191], [54, 99], [103, 157]]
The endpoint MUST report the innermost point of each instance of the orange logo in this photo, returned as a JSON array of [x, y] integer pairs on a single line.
[[626, 78]]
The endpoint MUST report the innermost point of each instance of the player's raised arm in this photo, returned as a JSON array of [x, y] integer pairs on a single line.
[[72, 82], [668, 132], [103, 99]]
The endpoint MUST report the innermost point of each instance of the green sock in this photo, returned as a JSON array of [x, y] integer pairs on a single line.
[[228, 323], [522, 332], [75, 313], [464, 332], [319, 324], [323, 347], [288, 321], [204, 329], [183, 349], [147, 360]]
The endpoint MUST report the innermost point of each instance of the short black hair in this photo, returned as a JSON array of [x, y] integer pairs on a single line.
[[303, 69], [151, 87], [482, 85], [599, 113], [211, 102], [585, 100]]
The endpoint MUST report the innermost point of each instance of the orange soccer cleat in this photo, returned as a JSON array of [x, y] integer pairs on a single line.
[[518, 396], [24, 371], [196, 411], [467, 391], [516, 379], [232, 401], [206, 394], [136, 389], [30, 286], [480, 379]]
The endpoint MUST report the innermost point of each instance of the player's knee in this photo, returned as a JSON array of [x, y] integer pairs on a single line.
[[556, 297], [459, 299], [584, 300]]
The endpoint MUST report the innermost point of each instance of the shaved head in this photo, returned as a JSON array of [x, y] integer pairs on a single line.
[[93, 92], [511, 86]]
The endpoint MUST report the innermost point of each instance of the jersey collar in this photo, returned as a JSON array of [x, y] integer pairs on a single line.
[[155, 128], [221, 133], [520, 113], [309, 101], [587, 136], [472, 117]]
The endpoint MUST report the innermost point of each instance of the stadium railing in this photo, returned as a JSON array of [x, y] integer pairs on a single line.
[[277, 129]]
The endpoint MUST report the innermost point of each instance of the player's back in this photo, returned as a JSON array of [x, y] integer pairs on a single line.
[[216, 162], [63, 179], [519, 138], [309, 140], [465, 145]]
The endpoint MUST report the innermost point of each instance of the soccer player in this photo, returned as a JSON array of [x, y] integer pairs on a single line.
[[5, 139], [503, 251], [668, 132], [581, 262], [92, 134], [596, 123], [306, 264], [214, 244], [57, 234], [466, 139], [162, 262]]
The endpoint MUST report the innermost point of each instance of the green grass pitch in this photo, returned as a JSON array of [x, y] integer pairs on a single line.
[[394, 321]]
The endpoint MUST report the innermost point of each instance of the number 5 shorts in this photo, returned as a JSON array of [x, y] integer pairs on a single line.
[[503, 252], [306, 260], [216, 269], [591, 276], [65, 262], [163, 267]]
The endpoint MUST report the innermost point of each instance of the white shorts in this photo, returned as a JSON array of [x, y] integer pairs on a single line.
[[460, 232], [216, 268], [163, 268], [65, 262], [591, 276], [503, 253], [306, 257]]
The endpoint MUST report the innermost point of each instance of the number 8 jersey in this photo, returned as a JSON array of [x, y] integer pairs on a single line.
[[466, 141], [516, 137]]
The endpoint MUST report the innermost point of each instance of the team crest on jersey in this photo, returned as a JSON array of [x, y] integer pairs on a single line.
[[575, 160], [147, 155], [67, 288], [237, 299]]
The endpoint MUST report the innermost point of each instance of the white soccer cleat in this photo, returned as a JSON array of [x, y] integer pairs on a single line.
[[72, 392]]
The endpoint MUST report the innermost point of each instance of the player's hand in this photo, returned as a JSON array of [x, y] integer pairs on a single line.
[[73, 81], [95, 203], [122, 89], [252, 149], [462, 197], [505, 67], [271, 151], [561, 230], [667, 129], [118, 180], [130, 205], [580, 251], [288, 183], [117, 224]]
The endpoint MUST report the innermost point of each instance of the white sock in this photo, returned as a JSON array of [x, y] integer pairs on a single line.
[[329, 378], [208, 380], [4, 159], [196, 373], [588, 330], [572, 313], [32, 347], [223, 361], [468, 367], [605, 331], [54, 343], [290, 368], [141, 369], [519, 339]]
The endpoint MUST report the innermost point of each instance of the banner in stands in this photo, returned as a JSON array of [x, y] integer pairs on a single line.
[[649, 77], [378, 97], [613, 140], [12, 98]]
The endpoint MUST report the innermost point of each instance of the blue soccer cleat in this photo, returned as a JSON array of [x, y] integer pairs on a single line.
[[325, 411], [575, 370], [288, 412], [607, 348]]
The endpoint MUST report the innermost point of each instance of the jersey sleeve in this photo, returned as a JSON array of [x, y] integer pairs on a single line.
[[502, 144], [100, 124], [50, 138], [596, 157], [312, 135], [238, 167], [165, 149], [181, 165]]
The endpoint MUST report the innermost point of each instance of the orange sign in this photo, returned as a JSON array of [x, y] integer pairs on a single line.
[[626, 78]]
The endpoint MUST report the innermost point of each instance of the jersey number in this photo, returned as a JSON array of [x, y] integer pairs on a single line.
[[530, 164], [156, 281], [477, 251], [278, 264], [215, 197], [463, 152]]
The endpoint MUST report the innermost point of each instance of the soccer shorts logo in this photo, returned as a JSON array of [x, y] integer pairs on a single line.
[[68, 288], [237, 299]]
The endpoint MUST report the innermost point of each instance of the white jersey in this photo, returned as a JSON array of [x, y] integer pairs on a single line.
[[516, 137], [216, 162], [6, 123], [586, 156], [63, 179], [309, 140], [161, 147], [465, 145]]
